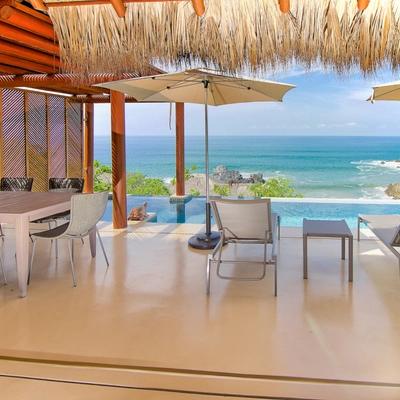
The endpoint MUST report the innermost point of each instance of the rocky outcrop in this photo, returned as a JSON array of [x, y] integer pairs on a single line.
[[223, 175], [393, 190]]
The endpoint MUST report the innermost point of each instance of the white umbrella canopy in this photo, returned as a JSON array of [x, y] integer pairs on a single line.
[[188, 87], [387, 91], [201, 86]]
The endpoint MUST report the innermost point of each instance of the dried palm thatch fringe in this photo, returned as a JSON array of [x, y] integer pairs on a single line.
[[233, 35]]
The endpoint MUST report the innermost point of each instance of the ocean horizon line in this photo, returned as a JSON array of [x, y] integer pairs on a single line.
[[262, 135]]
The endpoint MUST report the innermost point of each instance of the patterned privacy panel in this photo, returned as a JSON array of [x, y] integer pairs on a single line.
[[40, 136], [36, 135], [74, 140], [12, 131], [56, 131]]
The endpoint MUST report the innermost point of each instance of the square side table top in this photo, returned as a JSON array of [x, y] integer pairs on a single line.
[[326, 228]]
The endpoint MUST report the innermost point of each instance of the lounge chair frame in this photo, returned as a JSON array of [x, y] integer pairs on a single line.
[[272, 234]]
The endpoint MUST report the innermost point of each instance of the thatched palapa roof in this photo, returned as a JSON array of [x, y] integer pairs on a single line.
[[232, 35]]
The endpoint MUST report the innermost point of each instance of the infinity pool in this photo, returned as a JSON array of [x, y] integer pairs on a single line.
[[292, 211]]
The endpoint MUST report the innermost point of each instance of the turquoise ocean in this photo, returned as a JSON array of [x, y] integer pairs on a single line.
[[319, 166]]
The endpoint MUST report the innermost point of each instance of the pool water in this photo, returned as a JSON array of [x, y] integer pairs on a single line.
[[291, 211]]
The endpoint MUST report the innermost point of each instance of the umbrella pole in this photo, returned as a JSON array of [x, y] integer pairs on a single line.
[[206, 165], [207, 240]]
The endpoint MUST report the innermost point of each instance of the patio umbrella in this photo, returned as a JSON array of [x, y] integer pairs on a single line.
[[201, 86], [387, 91]]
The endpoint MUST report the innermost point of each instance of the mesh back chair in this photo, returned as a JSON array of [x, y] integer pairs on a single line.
[[22, 184], [76, 184], [61, 185], [245, 221], [86, 212]]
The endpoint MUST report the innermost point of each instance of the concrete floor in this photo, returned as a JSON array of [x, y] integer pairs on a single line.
[[146, 322]]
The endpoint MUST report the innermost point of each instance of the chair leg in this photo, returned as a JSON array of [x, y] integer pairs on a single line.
[[71, 258], [1, 233], [82, 241], [208, 275], [3, 271], [31, 262], [276, 277], [102, 247]]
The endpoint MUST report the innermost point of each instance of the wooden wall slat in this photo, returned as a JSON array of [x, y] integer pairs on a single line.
[[13, 133], [74, 139], [36, 134], [56, 140]]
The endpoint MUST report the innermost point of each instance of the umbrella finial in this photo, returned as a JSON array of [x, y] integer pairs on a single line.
[[284, 6], [362, 4]]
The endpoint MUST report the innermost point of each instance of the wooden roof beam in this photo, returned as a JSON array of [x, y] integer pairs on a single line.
[[24, 20], [119, 7], [198, 5], [56, 80], [28, 39], [28, 54], [26, 64], [38, 5], [7, 69]]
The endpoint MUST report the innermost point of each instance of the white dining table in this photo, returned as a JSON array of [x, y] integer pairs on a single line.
[[21, 208]]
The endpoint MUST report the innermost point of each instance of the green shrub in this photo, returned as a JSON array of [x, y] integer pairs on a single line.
[[222, 190], [194, 192], [188, 174], [139, 184], [102, 177], [274, 187]]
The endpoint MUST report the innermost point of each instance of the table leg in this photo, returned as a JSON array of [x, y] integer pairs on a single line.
[[343, 248], [350, 259], [358, 228], [305, 273], [92, 240], [22, 252]]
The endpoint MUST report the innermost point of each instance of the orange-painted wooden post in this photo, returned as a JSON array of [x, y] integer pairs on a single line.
[[88, 147], [117, 100], [180, 149]]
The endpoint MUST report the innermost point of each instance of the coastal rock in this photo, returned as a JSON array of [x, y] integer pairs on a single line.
[[393, 190], [223, 175]]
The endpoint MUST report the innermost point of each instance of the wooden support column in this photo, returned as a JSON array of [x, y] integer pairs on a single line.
[[117, 100], [180, 148], [88, 147]]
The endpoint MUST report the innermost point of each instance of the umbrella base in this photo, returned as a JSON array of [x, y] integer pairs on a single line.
[[204, 241]]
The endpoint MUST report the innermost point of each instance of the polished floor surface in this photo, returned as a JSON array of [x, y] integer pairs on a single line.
[[146, 322]]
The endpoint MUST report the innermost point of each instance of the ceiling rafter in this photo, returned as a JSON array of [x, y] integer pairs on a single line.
[[119, 5]]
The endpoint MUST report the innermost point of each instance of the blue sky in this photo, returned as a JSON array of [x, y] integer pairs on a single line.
[[323, 103]]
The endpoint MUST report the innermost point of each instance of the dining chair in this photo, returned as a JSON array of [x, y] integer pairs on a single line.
[[74, 185], [67, 183], [19, 184], [14, 184], [245, 222], [86, 211]]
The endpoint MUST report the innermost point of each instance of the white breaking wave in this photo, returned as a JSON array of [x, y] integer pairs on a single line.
[[364, 165]]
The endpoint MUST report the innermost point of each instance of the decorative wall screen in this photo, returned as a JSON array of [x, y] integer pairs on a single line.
[[40, 136]]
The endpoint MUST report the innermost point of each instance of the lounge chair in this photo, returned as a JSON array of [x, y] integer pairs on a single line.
[[385, 227], [245, 221]]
